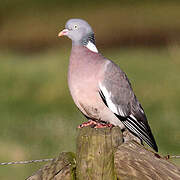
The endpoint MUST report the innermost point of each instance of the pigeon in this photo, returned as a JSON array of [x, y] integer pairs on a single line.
[[99, 88]]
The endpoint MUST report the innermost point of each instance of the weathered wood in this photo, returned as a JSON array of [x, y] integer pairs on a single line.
[[133, 161], [61, 168], [95, 153], [101, 155]]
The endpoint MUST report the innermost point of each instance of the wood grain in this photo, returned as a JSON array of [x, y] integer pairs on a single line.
[[61, 167], [95, 153]]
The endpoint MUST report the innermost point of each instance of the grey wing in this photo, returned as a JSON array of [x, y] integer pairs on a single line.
[[116, 92]]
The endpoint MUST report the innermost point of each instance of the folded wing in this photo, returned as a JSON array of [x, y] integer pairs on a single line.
[[117, 94]]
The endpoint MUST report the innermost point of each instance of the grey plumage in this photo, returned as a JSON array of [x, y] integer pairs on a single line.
[[100, 89]]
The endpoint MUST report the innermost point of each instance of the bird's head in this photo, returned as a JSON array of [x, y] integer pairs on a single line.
[[79, 31]]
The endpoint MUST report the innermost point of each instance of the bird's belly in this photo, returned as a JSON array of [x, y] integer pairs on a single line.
[[86, 96], [88, 100]]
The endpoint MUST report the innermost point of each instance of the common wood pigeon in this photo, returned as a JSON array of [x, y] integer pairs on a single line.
[[100, 89]]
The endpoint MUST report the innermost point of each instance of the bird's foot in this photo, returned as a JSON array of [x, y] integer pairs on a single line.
[[95, 124], [104, 125], [88, 123]]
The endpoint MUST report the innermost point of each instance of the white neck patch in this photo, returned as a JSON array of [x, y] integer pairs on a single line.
[[91, 47]]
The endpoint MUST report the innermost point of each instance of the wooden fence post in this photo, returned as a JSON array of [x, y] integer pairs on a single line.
[[61, 168], [102, 155], [95, 153]]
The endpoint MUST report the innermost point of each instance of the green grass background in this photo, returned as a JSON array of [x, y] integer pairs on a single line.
[[39, 118], [37, 115]]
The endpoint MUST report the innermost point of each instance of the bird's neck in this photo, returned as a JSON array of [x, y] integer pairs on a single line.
[[89, 38], [88, 42]]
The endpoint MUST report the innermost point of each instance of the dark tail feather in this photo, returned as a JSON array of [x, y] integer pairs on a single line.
[[140, 130]]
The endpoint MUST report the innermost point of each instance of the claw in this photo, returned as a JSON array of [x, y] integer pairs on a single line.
[[95, 124]]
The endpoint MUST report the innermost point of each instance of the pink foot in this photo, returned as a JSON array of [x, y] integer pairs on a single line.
[[102, 125], [88, 123], [95, 124]]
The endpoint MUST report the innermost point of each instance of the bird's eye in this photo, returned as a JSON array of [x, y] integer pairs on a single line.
[[75, 26]]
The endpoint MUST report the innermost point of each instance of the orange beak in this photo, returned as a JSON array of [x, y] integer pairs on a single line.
[[63, 33]]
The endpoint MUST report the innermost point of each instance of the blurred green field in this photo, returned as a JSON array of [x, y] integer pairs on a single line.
[[39, 118]]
